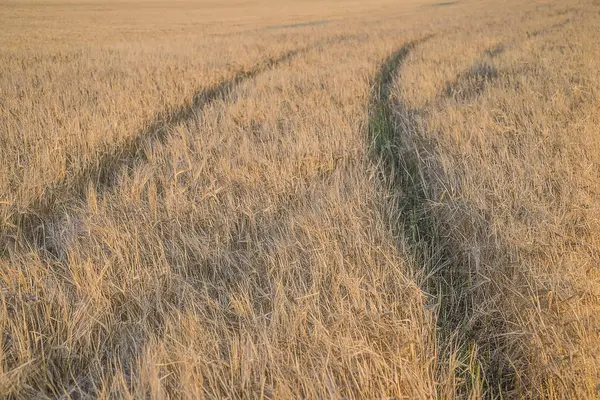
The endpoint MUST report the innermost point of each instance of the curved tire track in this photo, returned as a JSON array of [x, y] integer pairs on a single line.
[[397, 145], [102, 172], [472, 82]]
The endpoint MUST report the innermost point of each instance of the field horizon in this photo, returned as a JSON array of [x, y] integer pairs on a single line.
[[317, 199]]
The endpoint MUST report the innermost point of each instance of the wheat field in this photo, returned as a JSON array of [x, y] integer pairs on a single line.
[[339, 199]]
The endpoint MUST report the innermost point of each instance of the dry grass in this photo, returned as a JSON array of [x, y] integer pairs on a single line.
[[337, 200]]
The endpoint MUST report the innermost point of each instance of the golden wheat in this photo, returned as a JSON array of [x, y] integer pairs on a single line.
[[299, 199]]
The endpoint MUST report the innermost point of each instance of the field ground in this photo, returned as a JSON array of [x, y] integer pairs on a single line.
[[317, 199]]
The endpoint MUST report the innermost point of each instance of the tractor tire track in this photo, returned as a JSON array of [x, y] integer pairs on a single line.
[[472, 82], [400, 152], [102, 173], [549, 29], [406, 169]]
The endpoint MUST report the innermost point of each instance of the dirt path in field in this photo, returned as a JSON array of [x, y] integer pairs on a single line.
[[102, 173]]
